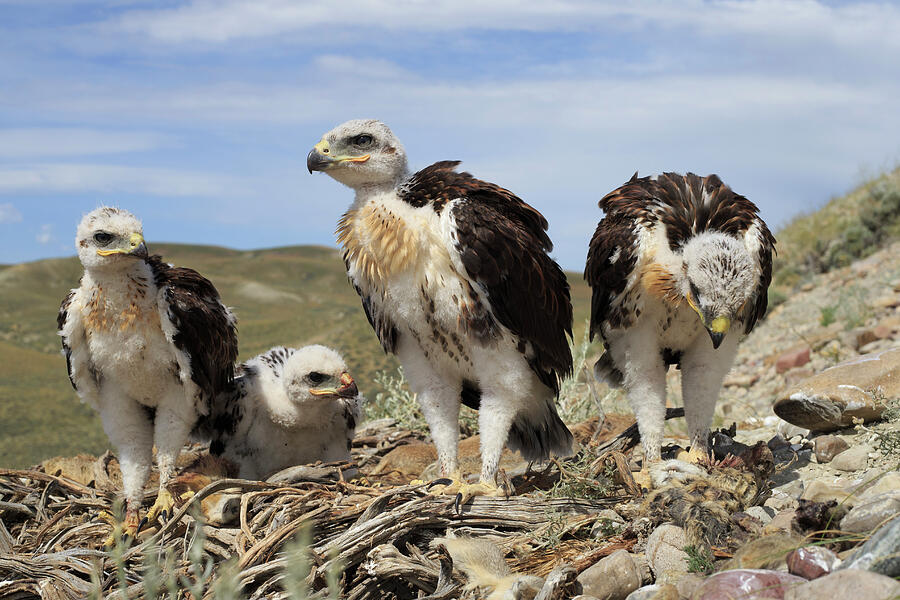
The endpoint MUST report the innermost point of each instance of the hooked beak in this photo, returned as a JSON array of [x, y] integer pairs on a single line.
[[348, 388], [320, 158], [717, 330], [136, 247]]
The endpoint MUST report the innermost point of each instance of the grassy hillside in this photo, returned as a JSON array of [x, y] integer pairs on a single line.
[[845, 229], [289, 296]]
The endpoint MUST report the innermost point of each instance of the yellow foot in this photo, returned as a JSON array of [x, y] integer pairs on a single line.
[[163, 507], [125, 530], [694, 455], [446, 485], [642, 478], [467, 491]]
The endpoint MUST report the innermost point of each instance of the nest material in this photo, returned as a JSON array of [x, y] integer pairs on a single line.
[[376, 535]]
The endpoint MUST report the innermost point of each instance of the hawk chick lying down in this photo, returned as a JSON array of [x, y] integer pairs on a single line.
[[455, 278], [679, 269], [285, 407], [148, 345]]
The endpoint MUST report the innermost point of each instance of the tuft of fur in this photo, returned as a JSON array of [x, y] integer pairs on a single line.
[[485, 568], [702, 500]]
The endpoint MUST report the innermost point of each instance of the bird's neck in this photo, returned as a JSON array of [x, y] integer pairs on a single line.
[[133, 278]]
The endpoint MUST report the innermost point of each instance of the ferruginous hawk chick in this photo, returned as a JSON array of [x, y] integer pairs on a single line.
[[455, 279], [147, 345], [286, 407], [679, 267]]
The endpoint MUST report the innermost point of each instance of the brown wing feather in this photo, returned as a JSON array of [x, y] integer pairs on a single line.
[[60, 323], [687, 205], [205, 328], [503, 245]]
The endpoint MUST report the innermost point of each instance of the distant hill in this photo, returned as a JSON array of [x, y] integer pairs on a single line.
[[288, 296]]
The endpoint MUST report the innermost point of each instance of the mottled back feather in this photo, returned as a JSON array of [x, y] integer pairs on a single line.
[[503, 245], [686, 205]]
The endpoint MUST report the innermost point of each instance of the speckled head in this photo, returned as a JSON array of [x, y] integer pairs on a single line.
[[719, 278], [360, 153], [109, 238]]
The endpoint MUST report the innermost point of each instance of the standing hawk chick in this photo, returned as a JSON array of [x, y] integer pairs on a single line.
[[286, 407], [679, 268], [148, 345], [455, 279]]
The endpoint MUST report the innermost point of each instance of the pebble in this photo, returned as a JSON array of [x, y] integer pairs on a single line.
[[829, 446], [762, 513], [665, 552], [655, 592], [850, 583], [881, 484], [796, 357], [812, 562], [820, 490], [612, 578], [881, 553], [781, 521], [746, 583], [852, 459], [869, 514]]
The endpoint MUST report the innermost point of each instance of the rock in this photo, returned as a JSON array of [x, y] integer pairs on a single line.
[[611, 578], [763, 513], [851, 583], [830, 400], [811, 562], [608, 523], [583, 597], [767, 552], [828, 446], [871, 513], [688, 584], [779, 501], [746, 583], [655, 592], [744, 380], [789, 431], [820, 490], [781, 521], [796, 357], [665, 552], [888, 482], [881, 553], [852, 459]]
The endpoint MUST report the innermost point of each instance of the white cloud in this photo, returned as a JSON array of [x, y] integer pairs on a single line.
[[45, 235], [113, 178], [9, 214], [874, 24], [71, 141]]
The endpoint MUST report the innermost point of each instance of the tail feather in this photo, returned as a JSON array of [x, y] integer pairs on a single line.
[[537, 435]]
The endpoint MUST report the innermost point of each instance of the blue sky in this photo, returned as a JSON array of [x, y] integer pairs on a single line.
[[198, 115]]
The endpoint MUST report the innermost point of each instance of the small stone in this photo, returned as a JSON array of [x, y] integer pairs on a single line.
[[852, 459], [608, 523], [611, 578], [656, 591], [741, 380], [779, 501], [811, 562], [789, 431], [665, 552], [833, 398], [819, 490], [881, 553], [763, 513], [886, 483], [829, 446], [747, 583], [850, 583], [688, 583], [796, 357], [871, 513]]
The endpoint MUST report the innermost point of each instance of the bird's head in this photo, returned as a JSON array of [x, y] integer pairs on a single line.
[[360, 153], [718, 280], [109, 237], [314, 375]]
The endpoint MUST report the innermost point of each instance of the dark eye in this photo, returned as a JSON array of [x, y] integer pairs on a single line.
[[103, 238], [363, 139], [316, 378]]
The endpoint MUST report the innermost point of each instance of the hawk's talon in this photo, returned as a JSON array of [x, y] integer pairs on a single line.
[[445, 481], [126, 530], [468, 491], [162, 507]]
